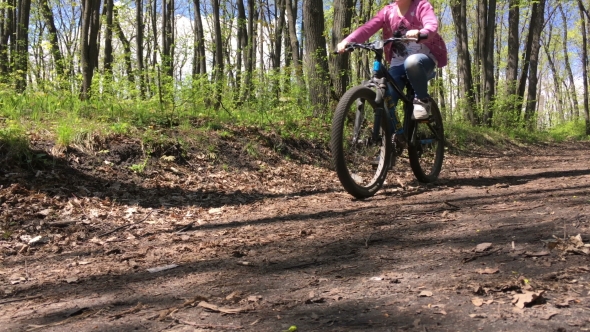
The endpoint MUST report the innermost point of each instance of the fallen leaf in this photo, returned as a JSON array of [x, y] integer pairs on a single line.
[[483, 247], [45, 212], [488, 270], [538, 253], [548, 315], [234, 296], [224, 310], [254, 298], [425, 294], [566, 302], [478, 302], [162, 268], [215, 210], [527, 298], [72, 280], [478, 315]]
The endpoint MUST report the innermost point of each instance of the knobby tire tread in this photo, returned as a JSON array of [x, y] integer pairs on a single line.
[[336, 142], [420, 174]]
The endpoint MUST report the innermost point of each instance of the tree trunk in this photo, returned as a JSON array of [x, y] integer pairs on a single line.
[[242, 41], [7, 31], [22, 45], [585, 22], [315, 47], [278, 34], [88, 44], [536, 28], [199, 60], [339, 64], [250, 50], [554, 73], [526, 62], [126, 46], [291, 8], [487, 58], [512, 62], [218, 67], [55, 51], [459, 12], [139, 46], [108, 37], [571, 90], [168, 37]]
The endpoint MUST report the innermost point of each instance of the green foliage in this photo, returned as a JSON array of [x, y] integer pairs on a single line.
[[14, 143], [139, 168], [252, 149], [572, 130]]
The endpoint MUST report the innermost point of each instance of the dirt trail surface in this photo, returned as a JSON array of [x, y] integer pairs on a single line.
[[499, 244]]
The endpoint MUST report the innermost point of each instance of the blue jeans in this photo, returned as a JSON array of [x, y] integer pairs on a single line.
[[419, 68]]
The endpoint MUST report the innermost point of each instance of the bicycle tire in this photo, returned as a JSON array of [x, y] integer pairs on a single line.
[[346, 151], [426, 148]]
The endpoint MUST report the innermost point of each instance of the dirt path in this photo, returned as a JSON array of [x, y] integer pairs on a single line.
[[281, 245]]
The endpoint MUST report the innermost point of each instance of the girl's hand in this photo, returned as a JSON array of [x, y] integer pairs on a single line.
[[413, 34], [341, 46]]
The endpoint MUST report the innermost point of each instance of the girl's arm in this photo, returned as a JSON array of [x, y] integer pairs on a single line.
[[427, 17], [365, 31]]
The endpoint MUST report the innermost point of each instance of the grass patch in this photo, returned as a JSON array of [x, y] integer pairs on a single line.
[[573, 130], [14, 143]]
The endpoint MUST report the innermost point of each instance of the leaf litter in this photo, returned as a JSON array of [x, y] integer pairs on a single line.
[[246, 216]]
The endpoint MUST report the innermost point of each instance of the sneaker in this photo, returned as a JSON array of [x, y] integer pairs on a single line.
[[421, 109]]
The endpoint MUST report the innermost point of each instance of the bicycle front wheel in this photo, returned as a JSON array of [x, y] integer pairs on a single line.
[[426, 147], [360, 142]]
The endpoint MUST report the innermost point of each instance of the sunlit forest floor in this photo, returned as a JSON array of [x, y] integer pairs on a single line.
[[243, 238]]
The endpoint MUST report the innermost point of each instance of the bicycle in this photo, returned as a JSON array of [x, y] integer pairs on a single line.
[[364, 151]]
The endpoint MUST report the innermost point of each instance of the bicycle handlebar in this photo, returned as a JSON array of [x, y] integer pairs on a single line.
[[372, 46]]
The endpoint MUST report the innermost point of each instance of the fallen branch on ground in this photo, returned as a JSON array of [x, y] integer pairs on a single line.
[[125, 226]]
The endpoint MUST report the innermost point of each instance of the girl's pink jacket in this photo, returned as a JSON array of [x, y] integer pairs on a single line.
[[419, 16]]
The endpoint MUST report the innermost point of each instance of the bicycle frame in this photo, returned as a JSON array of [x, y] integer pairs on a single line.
[[382, 81]]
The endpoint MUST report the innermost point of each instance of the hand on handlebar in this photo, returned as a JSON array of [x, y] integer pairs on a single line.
[[413, 34], [341, 47]]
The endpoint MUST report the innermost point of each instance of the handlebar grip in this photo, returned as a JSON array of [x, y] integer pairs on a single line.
[[423, 36]]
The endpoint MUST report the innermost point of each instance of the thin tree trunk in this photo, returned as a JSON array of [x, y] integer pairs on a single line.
[[108, 38], [315, 46], [139, 46], [486, 39], [250, 50], [571, 90], [512, 62], [218, 68], [458, 10], [291, 8], [84, 56], [554, 73], [242, 40], [55, 51], [536, 29], [339, 64], [199, 62], [22, 48], [168, 37], [278, 35], [126, 46], [585, 24], [6, 42]]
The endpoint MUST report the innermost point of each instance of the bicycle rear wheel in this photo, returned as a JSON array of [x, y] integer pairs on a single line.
[[361, 156], [426, 146]]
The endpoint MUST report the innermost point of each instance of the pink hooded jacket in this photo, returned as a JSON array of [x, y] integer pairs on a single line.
[[420, 16]]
